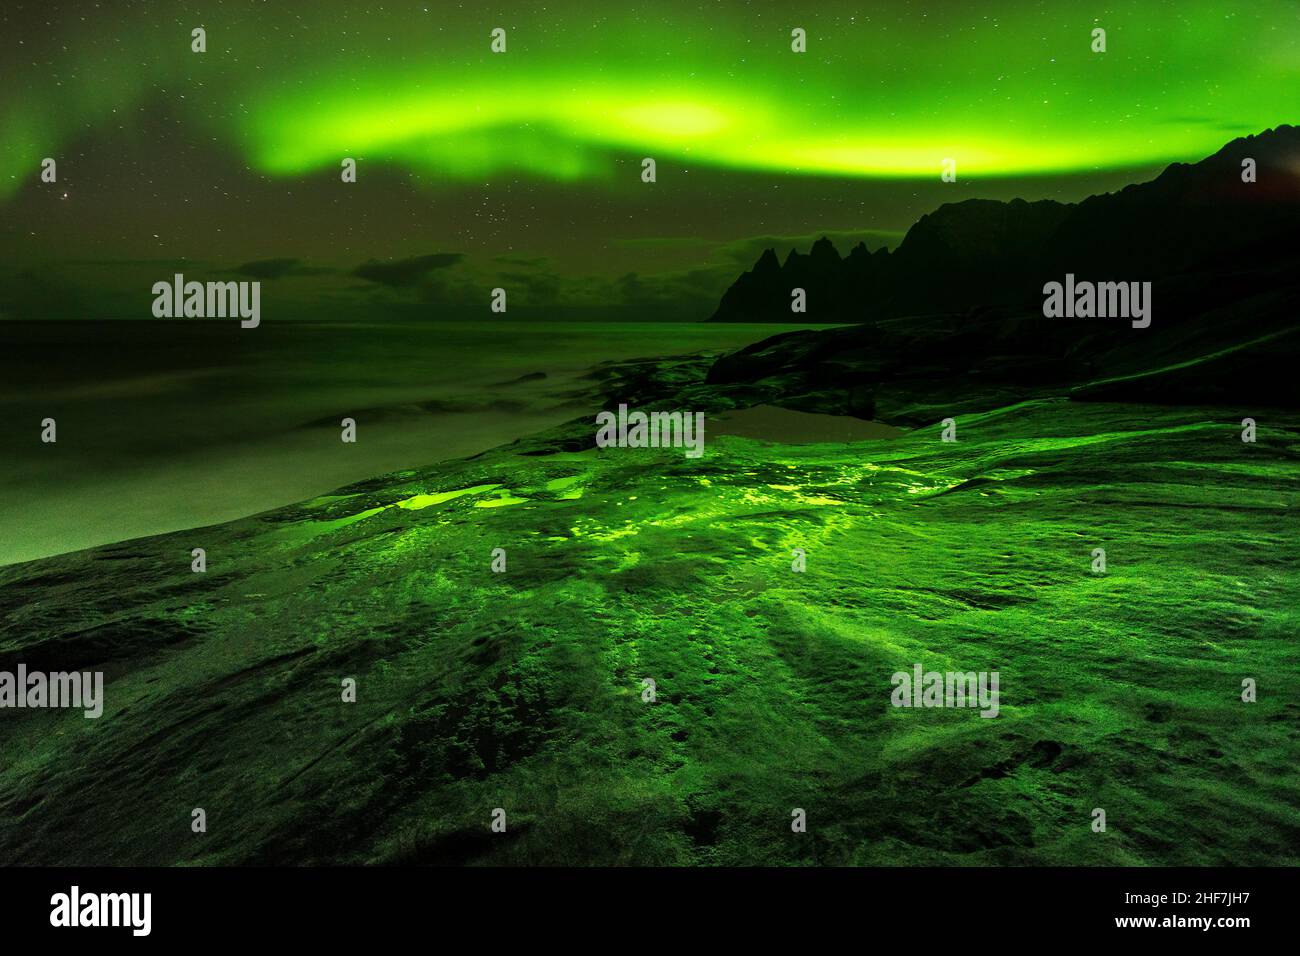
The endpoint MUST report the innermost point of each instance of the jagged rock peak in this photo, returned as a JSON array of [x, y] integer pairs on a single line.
[[767, 262], [824, 249]]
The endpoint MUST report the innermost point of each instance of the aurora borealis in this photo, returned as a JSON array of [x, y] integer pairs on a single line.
[[884, 90], [526, 163], [883, 95]]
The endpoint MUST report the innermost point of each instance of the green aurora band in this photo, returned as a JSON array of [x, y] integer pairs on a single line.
[[883, 91]]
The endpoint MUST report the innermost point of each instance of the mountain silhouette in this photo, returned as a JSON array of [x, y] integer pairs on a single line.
[[953, 320], [984, 252]]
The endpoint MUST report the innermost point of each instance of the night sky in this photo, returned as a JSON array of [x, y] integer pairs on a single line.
[[523, 168]]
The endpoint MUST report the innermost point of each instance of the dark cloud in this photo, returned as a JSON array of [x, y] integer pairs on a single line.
[[278, 268], [531, 262], [534, 284], [176, 265], [541, 288], [44, 293], [1217, 123], [666, 242], [684, 296], [401, 273], [683, 285]]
